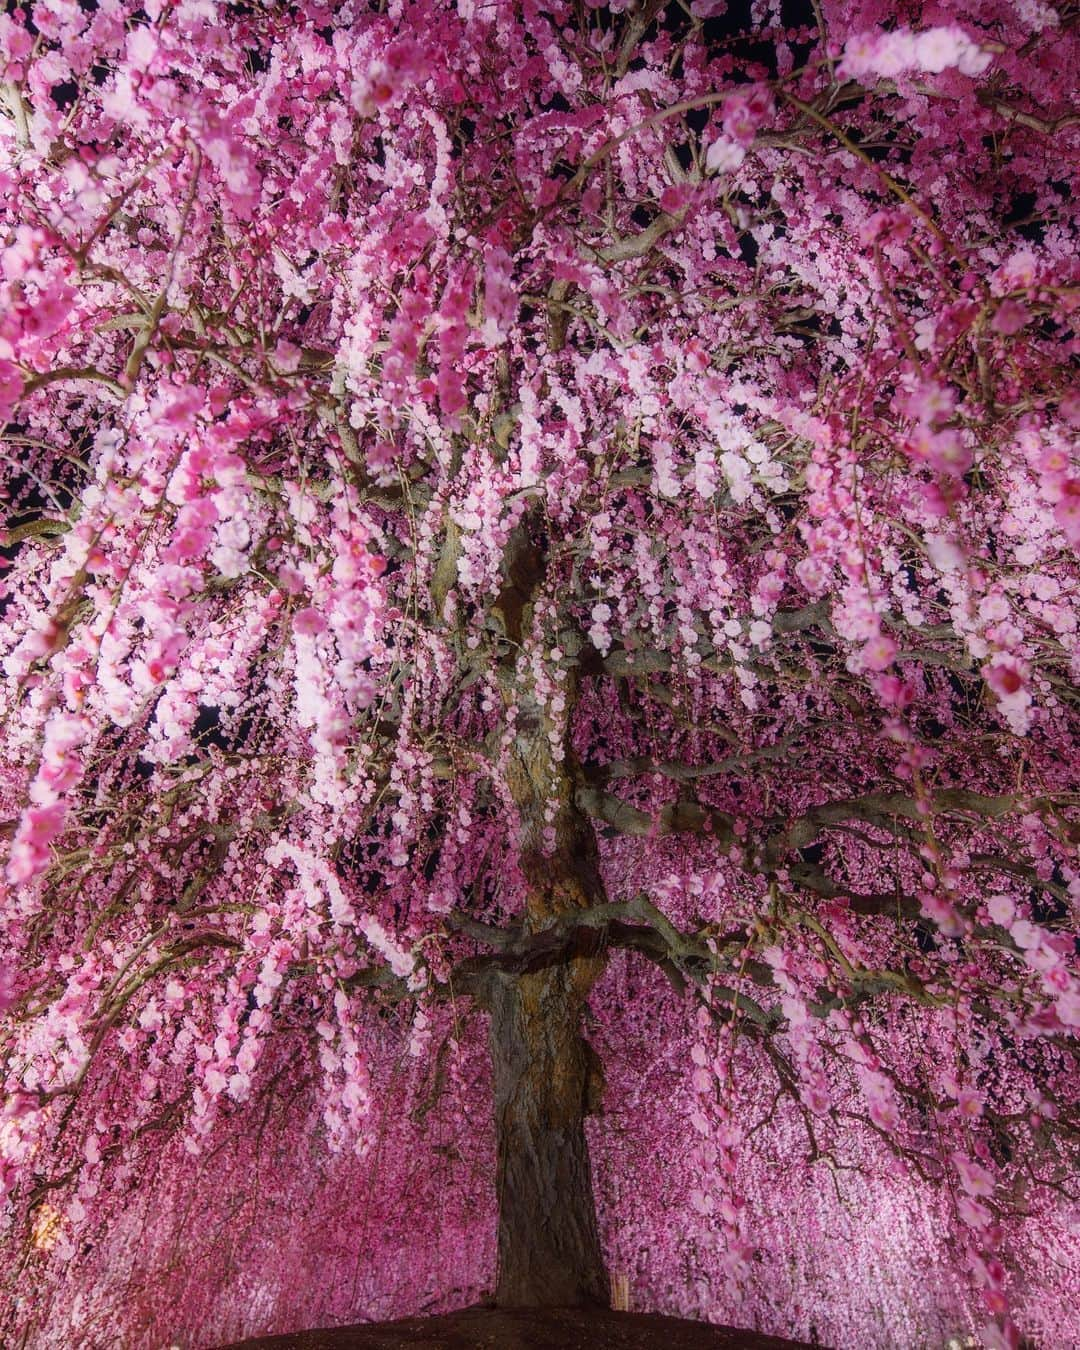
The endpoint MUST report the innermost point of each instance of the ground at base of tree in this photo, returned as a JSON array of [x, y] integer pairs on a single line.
[[528, 1329]]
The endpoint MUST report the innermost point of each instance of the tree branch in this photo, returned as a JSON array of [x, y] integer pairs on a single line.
[[679, 817]]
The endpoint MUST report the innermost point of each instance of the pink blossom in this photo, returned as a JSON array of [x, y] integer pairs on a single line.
[[974, 1178], [724, 155], [878, 653], [970, 1103], [1025, 934], [216, 1081], [972, 1213], [38, 827], [938, 48], [1067, 511], [1009, 318], [933, 50], [1002, 909], [1067, 1005], [1004, 676], [894, 691], [10, 387], [309, 622], [179, 410]]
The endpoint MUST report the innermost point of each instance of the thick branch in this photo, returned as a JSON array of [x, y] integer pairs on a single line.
[[886, 810], [679, 817]]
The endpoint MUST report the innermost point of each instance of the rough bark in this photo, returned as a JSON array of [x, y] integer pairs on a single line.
[[546, 1076], [545, 1083]]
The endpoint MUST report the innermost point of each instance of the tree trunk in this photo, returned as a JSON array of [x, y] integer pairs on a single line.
[[546, 1077], [545, 1083]]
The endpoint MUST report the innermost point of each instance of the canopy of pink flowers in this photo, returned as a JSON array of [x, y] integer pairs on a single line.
[[763, 331]]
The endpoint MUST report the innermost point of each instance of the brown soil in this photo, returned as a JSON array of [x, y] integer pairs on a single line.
[[527, 1329]]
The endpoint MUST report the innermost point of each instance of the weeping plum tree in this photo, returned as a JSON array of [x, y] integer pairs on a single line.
[[445, 441]]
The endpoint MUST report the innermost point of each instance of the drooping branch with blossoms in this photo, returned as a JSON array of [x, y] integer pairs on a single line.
[[503, 494]]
